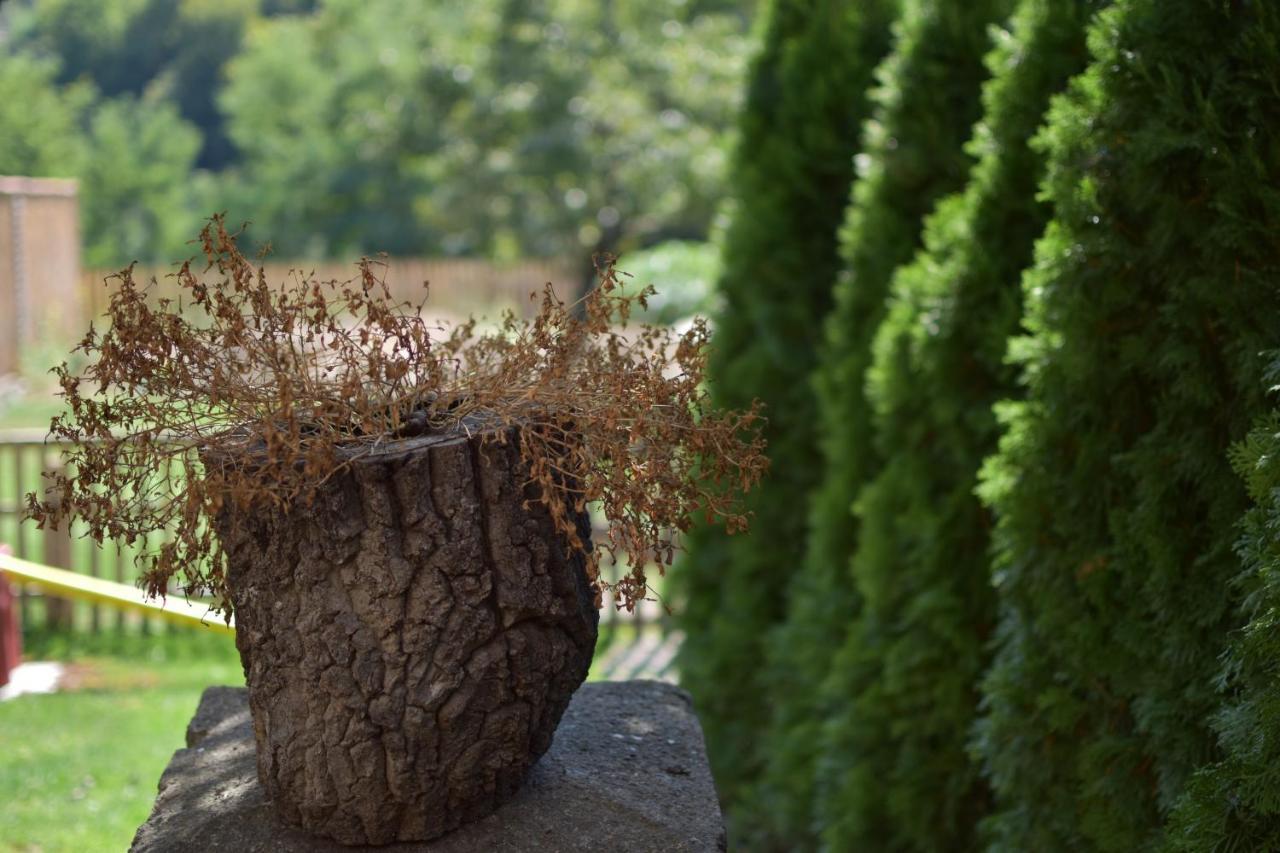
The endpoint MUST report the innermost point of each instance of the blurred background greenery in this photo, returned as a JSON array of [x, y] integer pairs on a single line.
[[502, 129]]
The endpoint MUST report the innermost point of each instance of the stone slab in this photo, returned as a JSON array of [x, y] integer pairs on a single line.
[[627, 772]]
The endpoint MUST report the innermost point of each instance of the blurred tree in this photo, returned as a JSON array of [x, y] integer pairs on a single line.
[[340, 119], [610, 130], [133, 160], [204, 36], [1153, 292], [519, 128], [799, 131], [655, 120], [504, 128], [899, 776], [134, 203], [288, 7], [174, 49], [88, 41], [515, 140], [40, 131]]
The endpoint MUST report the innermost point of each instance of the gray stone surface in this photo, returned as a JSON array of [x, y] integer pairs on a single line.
[[627, 771]]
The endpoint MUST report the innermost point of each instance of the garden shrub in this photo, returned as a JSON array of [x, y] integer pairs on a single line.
[[1234, 804], [899, 774], [1151, 295], [805, 105], [913, 153]]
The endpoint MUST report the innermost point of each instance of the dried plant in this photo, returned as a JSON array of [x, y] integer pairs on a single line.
[[244, 391]]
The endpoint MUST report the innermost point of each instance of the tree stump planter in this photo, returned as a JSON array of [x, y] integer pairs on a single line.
[[410, 639]]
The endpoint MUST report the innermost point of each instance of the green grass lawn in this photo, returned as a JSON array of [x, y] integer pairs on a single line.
[[78, 769]]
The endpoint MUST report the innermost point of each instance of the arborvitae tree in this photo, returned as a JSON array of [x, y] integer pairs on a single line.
[[800, 128], [1235, 803], [913, 154], [1153, 292], [902, 777]]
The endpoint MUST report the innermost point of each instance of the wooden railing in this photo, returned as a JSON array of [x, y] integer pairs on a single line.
[[126, 598]]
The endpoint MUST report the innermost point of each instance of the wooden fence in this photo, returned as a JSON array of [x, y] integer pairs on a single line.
[[24, 455], [458, 286], [39, 265], [635, 644], [46, 300]]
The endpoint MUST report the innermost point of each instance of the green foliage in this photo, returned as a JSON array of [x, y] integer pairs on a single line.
[[133, 189], [1234, 804], [173, 49], [203, 38], [927, 103], [39, 123], [88, 39], [132, 159], [611, 136], [287, 7], [1152, 294], [805, 105], [899, 777], [336, 135], [924, 107], [499, 128], [510, 128], [684, 274]]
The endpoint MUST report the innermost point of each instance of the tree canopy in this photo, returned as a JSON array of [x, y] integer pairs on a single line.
[[499, 129]]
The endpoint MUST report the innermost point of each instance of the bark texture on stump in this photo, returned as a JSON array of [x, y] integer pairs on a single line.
[[410, 640]]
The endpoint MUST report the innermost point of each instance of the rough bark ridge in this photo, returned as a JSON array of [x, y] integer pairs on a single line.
[[410, 640]]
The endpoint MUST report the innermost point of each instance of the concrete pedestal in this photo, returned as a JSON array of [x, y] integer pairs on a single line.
[[627, 772]]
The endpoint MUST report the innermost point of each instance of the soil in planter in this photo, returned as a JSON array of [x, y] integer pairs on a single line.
[[410, 639]]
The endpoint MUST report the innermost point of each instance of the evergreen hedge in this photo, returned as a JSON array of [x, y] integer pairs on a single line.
[[800, 127], [1152, 294], [1235, 803], [913, 153], [916, 650]]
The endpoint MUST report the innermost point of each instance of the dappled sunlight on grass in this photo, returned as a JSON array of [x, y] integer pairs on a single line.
[[78, 770]]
